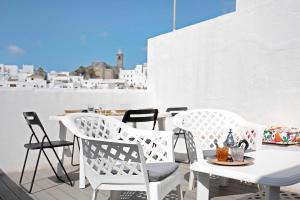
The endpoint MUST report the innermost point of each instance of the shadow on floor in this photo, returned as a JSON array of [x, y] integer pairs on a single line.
[[131, 195], [235, 187], [10, 190], [44, 182], [261, 195]]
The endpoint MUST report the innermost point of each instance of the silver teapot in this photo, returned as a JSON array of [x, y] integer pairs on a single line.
[[229, 142]]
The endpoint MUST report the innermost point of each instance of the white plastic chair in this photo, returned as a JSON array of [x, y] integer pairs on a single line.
[[204, 126], [118, 157]]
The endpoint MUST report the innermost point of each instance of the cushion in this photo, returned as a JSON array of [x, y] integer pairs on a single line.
[[159, 171], [281, 135]]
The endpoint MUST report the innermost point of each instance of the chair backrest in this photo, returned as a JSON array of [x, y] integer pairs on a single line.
[[207, 125], [157, 145], [113, 162], [143, 115], [32, 119], [175, 110]]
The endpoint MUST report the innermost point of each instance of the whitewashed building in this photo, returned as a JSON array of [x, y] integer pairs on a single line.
[[13, 77], [103, 84], [136, 78]]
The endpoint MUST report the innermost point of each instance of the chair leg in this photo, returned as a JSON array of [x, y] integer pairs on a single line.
[[62, 166], [95, 194], [78, 142], [52, 166], [187, 150], [176, 140], [191, 180], [179, 192], [72, 158], [35, 169], [20, 181]]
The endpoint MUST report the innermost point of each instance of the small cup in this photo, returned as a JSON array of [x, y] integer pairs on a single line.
[[91, 108], [222, 153], [237, 154]]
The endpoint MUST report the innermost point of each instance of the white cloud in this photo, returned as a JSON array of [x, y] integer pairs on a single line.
[[104, 34], [15, 50]]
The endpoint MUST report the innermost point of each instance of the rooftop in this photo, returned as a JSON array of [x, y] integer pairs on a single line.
[[47, 187]]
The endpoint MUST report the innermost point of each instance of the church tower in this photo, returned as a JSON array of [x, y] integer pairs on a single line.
[[120, 59], [119, 65]]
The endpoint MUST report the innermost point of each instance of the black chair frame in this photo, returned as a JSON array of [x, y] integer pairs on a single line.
[[174, 111], [147, 115], [32, 119]]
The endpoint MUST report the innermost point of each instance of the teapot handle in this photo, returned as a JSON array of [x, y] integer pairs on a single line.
[[246, 144]]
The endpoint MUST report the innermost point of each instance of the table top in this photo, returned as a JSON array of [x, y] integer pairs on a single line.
[[270, 167], [59, 117]]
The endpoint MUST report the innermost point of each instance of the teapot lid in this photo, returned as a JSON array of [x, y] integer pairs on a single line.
[[229, 140]]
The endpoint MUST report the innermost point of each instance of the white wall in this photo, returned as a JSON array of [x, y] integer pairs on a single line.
[[14, 132], [247, 62]]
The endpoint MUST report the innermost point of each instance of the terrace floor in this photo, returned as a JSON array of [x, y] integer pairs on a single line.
[[47, 187]]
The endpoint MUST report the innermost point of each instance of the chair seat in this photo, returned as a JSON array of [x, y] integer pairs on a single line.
[[58, 143], [159, 171]]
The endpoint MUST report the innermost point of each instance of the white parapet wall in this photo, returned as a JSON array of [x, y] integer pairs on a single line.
[[247, 61], [14, 132]]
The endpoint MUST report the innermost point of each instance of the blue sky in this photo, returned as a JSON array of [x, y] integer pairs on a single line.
[[62, 35]]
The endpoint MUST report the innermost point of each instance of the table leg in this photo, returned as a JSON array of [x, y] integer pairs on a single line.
[[81, 167], [272, 193], [61, 151], [61, 154], [161, 123], [134, 124], [202, 186]]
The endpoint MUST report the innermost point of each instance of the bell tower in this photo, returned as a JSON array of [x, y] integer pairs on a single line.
[[120, 59]]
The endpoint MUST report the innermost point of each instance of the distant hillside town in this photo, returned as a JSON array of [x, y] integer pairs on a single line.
[[98, 75]]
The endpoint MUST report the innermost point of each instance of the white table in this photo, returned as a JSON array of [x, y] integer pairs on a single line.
[[273, 168], [161, 118]]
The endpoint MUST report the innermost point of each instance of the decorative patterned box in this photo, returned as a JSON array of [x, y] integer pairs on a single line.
[[281, 135]]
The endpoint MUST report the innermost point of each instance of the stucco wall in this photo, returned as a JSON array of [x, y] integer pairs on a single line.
[[14, 132], [247, 62]]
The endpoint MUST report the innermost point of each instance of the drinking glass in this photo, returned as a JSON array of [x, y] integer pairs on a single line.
[[222, 153], [91, 108], [237, 154]]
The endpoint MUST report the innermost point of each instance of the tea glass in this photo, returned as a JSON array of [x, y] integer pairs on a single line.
[[222, 153], [237, 154], [91, 108]]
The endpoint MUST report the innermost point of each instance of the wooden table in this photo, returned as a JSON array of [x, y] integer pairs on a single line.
[[273, 168], [63, 133]]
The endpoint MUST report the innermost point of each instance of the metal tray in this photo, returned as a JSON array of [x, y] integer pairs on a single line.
[[214, 160]]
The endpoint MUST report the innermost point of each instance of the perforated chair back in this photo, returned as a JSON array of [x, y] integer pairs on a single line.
[[143, 115], [204, 126], [91, 125], [33, 119], [175, 110]]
